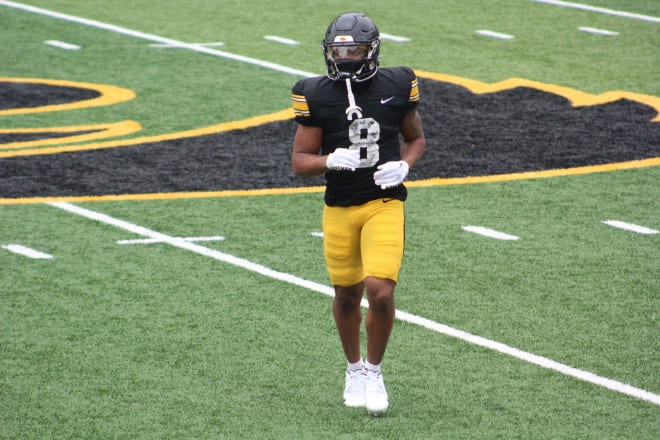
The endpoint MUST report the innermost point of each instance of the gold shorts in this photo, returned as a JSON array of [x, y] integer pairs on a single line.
[[363, 241]]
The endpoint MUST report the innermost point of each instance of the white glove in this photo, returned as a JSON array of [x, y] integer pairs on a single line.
[[343, 159], [391, 174]]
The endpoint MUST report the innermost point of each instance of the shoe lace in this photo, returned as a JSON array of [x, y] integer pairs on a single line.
[[354, 378], [376, 379]]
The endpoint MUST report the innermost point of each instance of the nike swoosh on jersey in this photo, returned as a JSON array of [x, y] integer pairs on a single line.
[[386, 100]]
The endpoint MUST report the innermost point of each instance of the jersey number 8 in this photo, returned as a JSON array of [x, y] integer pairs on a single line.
[[364, 134]]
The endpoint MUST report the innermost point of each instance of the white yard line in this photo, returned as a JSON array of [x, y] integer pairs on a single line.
[[183, 244], [153, 240], [281, 40], [630, 227], [598, 31], [62, 45], [27, 252], [600, 10], [493, 34], [156, 38], [395, 38], [487, 232], [170, 46], [401, 315]]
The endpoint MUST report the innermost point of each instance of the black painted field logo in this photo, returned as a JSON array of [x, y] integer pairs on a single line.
[[513, 129], [20, 96]]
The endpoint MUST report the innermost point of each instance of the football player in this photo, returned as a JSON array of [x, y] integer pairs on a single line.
[[360, 126]]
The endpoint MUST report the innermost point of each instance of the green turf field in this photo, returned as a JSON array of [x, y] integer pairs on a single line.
[[552, 335]]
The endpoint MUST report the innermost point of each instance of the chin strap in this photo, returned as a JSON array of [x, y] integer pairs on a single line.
[[353, 111]]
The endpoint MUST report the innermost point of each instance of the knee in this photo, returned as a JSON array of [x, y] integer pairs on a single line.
[[382, 304], [380, 294], [348, 298]]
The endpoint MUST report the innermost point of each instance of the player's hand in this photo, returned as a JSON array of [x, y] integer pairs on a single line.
[[391, 174], [343, 159]]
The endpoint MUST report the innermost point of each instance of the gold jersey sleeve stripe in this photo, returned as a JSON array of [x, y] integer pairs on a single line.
[[414, 91], [300, 106]]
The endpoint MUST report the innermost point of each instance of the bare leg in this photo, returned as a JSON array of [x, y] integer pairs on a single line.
[[348, 318], [380, 316]]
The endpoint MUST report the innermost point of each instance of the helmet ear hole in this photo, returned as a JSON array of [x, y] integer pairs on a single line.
[[342, 47]]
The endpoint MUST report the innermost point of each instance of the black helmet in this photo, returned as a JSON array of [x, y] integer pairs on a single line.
[[351, 46]]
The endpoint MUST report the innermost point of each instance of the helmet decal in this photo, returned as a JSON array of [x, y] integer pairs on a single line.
[[343, 39]]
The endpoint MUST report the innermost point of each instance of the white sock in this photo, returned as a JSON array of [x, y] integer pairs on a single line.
[[356, 365], [372, 367]]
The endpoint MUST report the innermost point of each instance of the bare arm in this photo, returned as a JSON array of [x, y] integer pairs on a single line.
[[414, 143], [305, 159]]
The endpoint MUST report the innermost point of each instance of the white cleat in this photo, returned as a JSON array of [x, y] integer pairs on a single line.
[[354, 391], [376, 395]]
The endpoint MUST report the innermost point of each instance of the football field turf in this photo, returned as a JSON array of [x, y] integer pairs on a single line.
[[161, 269]]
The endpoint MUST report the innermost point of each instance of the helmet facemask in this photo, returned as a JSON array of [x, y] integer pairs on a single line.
[[355, 61]]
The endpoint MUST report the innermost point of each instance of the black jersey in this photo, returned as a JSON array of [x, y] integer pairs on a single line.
[[383, 102]]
